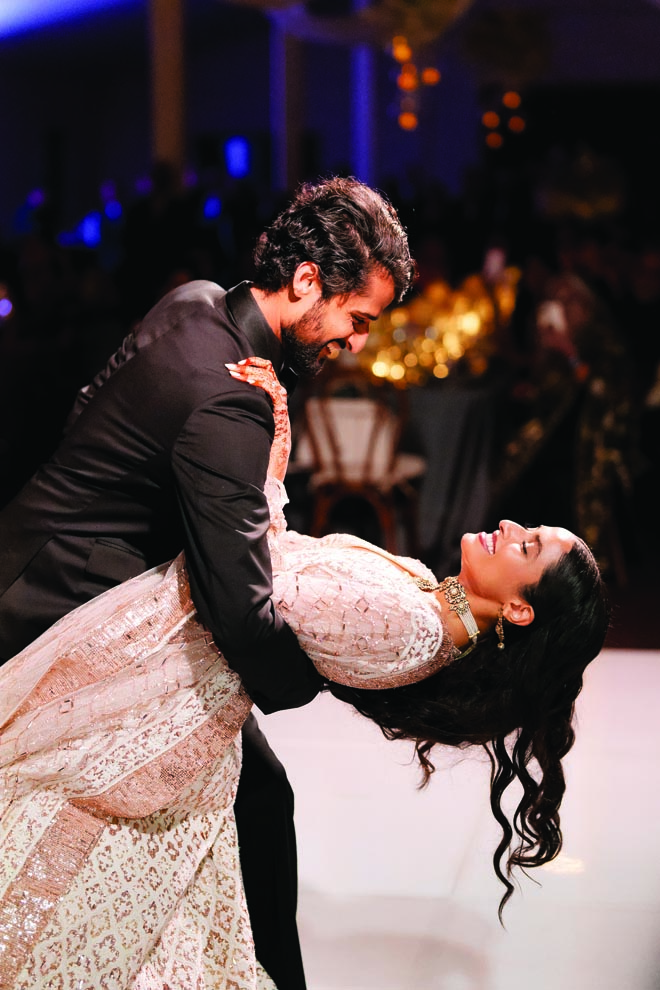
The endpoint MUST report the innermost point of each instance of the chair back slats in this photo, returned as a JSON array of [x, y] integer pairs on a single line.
[[349, 439], [353, 439]]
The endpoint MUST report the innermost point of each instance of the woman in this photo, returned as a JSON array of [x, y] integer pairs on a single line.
[[120, 747]]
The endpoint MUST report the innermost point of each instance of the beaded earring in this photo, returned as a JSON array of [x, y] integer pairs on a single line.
[[499, 629]]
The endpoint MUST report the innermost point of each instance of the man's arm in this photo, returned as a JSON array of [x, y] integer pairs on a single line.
[[219, 463]]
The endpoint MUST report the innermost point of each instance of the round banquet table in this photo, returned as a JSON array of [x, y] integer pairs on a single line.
[[453, 425]]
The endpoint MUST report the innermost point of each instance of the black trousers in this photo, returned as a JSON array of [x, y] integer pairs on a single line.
[[267, 846]]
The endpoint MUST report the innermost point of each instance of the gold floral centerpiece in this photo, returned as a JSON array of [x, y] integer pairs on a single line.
[[441, 331]]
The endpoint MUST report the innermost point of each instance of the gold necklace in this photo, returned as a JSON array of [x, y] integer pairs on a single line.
[[454, 594]]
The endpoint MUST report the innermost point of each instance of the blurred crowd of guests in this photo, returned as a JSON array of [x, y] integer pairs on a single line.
[[580, 434], [69, 305], [578, 411]]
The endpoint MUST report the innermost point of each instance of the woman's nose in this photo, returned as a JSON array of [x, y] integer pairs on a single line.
[[509, 529]]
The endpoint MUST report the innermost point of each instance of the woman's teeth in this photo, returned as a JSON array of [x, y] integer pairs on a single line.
[[490, 542]]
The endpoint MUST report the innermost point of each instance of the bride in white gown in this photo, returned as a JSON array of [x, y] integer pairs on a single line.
[[120, 753]]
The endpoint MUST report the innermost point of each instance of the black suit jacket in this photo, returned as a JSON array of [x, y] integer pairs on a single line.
[[164, 451]]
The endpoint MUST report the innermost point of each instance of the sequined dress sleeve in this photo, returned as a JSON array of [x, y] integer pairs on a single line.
[[356, 609]]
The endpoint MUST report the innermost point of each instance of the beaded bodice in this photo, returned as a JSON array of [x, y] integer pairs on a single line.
[[356, 609]]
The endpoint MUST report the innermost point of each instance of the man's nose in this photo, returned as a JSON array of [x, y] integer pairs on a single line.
[[356, 342]]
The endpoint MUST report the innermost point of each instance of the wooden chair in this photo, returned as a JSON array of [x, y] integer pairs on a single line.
[[351, 437]]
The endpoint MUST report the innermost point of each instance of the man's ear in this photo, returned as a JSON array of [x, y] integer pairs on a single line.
[[518, 611], [306, 279]]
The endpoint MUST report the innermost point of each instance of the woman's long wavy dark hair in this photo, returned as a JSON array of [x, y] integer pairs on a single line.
[[516, 703]]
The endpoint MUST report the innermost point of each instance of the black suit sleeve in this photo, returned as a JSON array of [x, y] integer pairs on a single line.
[[86, 394], [220, 461]]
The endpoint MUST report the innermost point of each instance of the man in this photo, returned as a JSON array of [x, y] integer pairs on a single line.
[[165, 450]]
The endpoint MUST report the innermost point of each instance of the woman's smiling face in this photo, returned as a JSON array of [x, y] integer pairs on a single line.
[[496, 566]]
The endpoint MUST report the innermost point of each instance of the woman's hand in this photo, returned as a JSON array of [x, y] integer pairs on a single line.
[[259, 371]]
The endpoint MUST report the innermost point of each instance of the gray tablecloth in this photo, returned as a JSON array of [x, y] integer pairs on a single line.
[[454, 427]]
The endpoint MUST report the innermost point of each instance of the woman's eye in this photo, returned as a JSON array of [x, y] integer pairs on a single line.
[[524, 548]]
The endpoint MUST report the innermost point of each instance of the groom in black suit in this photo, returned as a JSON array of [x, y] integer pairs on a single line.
[[164, 450]]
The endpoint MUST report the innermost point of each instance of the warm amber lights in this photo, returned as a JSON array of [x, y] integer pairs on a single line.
[[407, 79], [494, 140], [511, 100], [517, 125], [401, 50], [408, 120], [490, 119], [430, 76], [442, 331]]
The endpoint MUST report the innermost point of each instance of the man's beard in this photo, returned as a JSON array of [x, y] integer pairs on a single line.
[[304, 358]]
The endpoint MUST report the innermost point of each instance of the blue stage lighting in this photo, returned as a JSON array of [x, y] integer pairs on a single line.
[[36, 198], [29, 15], [5, 308], [237, 157], [68, 238], [143, 185], [113, 210], [212, 207], [89, 229]]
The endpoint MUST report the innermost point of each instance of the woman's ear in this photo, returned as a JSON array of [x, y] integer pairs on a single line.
[[518, 611]]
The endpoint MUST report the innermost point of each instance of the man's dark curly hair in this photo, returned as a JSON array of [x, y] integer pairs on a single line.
[[344, 227]]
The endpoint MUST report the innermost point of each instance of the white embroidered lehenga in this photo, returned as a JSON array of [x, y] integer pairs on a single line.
[[120, 757]]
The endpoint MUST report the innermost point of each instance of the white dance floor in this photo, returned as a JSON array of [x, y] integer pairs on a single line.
[[397, 889]]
